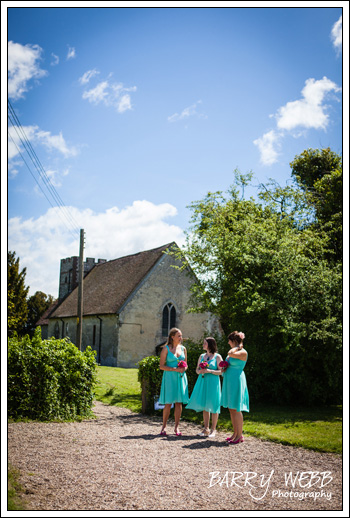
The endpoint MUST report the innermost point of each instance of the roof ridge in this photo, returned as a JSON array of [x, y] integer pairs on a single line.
[[138, 253]]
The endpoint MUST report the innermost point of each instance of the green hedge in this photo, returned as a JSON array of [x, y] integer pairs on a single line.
[[150, 375], [49, 379]]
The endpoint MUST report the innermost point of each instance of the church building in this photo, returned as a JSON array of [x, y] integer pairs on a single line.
[[129, 305]]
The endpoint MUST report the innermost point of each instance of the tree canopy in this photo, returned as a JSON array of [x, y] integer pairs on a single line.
[[264, 267]]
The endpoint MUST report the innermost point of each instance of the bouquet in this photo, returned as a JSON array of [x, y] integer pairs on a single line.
[[223, 365], [182, 365], [203, 365]]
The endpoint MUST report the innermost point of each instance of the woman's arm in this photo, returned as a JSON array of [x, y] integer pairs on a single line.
[[198, 370], [162, 361], [236, 352], [218, 371]]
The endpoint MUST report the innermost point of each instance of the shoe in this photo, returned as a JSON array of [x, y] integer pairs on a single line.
[[241, 439], [212, 433], [204, 434], [228, 439], [163, 432], [178, 434]]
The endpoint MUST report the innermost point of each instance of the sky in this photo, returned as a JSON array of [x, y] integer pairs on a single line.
[[132, 114]]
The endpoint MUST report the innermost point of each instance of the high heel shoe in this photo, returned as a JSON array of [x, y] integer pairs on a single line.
[[163, 432], [241, 439]]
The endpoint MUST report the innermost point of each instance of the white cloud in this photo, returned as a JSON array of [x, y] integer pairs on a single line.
[[267, 146], [23, 66], [110, 94], [71, 53], [55, 60], [41, 243], [33, 133], [85, 78], [190, 111], [308, 112], [336, 34], [296, 117]]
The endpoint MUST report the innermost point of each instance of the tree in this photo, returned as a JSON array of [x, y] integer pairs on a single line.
[[37, 305], [263, 270], [319, 173], [17, 295]]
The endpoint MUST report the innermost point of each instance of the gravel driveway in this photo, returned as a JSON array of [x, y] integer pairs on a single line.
[[120, 462]]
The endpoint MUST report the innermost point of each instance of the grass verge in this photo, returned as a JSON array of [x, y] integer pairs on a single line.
[[14, 489], [318, 429]]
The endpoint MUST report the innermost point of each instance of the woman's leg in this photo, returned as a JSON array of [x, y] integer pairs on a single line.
[[166, 413], [239, 425], [233, 413], [177, 415], [206, 419], [214, 421]]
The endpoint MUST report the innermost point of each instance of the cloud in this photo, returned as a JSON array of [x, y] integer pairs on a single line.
[[190, 111], [85, 78], [337, 34], [41, 243], [267, 146], [55, 60], [23, 66], [34, 134], [71, 53], [110, 94], [308, 112], [296, 117]]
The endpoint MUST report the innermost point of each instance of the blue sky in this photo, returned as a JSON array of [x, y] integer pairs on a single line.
[[136, 112]]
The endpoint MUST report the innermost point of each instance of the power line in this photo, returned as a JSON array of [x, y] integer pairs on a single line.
[[24, 160], [38, 166]]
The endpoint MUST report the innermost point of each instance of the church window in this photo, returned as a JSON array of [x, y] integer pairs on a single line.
[[169, 319]]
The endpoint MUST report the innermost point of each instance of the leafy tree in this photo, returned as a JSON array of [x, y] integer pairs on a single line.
[[17, 295], [319, 173], [263, 270], [37, 305]]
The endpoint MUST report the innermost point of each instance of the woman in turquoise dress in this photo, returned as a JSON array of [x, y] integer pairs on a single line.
[[174, 388], [206, 394], [235, 395]]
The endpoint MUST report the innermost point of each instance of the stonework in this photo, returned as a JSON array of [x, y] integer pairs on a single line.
[[130, 331]]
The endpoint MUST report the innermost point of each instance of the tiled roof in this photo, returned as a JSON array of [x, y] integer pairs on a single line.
[[108, 285], [44, 319]]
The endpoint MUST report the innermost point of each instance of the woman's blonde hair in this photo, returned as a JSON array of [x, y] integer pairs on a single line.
[[172, 332]]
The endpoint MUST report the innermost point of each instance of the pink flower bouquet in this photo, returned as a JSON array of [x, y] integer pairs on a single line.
[[223, 365], [203, 365], [181, 365]]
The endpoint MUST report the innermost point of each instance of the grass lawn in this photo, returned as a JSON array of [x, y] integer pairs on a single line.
[[317, 429]]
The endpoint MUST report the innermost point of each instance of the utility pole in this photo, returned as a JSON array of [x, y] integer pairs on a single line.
[[80, 290]]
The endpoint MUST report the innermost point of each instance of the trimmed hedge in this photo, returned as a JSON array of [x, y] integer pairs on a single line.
[[150, 375], [49, 379]]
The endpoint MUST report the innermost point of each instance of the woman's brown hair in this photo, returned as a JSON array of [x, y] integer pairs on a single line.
[[212, 346], [237, 337]]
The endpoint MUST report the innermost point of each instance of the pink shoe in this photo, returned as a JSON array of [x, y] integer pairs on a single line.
[[241, 439], [163, 432]]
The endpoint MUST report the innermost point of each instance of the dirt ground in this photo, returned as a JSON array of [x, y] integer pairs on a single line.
[[120, 462]]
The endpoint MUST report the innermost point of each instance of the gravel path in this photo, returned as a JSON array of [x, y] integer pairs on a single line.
[[120, 462]]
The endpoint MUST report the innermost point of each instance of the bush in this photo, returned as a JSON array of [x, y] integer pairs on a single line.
[[150, 375], [49, 379]]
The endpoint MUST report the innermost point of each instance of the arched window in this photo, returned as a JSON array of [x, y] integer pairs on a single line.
[[57, 330], [169, 319]]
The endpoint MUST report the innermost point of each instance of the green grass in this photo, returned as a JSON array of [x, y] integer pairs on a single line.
[[315, 428], [118, 387], [14, 489]]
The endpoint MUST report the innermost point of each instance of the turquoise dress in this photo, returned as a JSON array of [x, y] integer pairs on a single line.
[[206, 394], [174, 387], [234, 388]]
